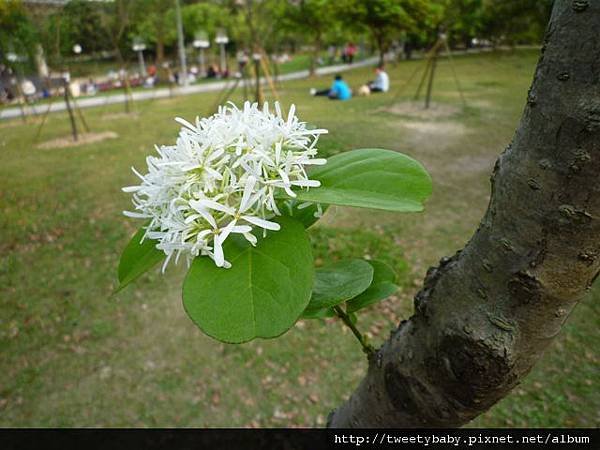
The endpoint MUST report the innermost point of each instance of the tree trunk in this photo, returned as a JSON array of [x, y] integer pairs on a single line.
[[160, 46], [312, 71], [485, 315], [380, 39]]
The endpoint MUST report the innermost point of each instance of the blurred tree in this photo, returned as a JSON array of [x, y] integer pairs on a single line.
[[81, 23], [117, 21], [386, 19], [464, 20], [154, 21], [312, 18], [18, 35], [515, 21]]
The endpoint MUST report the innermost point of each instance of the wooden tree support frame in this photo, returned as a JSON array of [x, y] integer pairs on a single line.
[[261, 70], [71, 105], [428, 76]]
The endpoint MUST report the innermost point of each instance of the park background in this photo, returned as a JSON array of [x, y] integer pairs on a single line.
[[72, 354]]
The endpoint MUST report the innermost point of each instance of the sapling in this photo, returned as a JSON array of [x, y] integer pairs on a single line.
[[234, 198]]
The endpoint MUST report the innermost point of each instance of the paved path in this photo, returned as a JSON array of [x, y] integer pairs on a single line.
[[90, 102]]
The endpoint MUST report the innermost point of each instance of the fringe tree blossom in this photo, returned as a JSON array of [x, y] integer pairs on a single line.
[[224, 175]]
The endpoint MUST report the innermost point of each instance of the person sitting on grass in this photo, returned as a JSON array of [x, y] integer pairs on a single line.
[[339, 90], [382, 80]]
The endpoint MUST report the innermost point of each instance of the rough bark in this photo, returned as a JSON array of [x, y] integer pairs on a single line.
[[486, 314]]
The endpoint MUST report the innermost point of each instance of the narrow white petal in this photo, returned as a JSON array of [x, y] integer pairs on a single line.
[[225, 232], [262, 223], [136, 215], [241, 229], [307, 183], [251, 238], [131, 188], [216, 206], [248, 188], [218, 253], [316, 161], [185, 123]]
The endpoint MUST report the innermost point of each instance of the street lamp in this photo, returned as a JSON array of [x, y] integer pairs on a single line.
[[77, 49], [222, 39], [139, 46], [201, 42]]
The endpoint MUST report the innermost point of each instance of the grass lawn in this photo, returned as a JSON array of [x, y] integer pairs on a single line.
[[72, 355]]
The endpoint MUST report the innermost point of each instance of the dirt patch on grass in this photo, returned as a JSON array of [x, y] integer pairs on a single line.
[[437, 128], [83, 139], [121, 115], [18, 121], [417, 110]]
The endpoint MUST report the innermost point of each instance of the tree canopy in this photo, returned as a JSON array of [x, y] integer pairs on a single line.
[[271, 24]]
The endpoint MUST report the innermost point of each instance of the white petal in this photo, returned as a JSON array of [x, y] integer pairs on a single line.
[[251, 238], [306, 183], [204, 213], [206, 203], [262, 223], [248, 188], [225, 232], [316, 161], [185, 123], [241, 229], [131, 188], [218, 253], [136, 215]]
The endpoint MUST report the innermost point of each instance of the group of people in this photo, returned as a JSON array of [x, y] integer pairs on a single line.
[[340, 90]]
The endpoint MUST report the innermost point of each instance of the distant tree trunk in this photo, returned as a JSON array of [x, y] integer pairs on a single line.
[[486, 314], [160, 46], [315, 56], [381, 47], [160, 50]]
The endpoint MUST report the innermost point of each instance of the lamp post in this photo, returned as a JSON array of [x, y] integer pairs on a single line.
[[200, 43], [139, 46], [222, 39]]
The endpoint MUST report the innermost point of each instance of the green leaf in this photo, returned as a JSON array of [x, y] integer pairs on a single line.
[[372, 295], [339, 282], [322, 313], [305, 215], [261, 295], [381, 288], [370, 178], [382, 272], [137, 258]]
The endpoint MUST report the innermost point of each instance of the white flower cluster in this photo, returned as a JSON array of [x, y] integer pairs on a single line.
[[223, 176]]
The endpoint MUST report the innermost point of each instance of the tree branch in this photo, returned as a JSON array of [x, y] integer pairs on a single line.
[[485, 315]]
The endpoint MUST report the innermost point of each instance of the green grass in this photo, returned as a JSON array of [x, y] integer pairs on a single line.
[[72, 355]]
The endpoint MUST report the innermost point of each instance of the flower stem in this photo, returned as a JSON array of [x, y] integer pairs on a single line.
[[366, 347]]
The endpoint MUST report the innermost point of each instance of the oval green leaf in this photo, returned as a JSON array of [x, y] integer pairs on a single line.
[[370, 178], [137, 258], [323, 313], [261, 295], [339, 282], [381, 288]]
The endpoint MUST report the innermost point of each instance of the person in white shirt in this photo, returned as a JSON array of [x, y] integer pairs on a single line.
[[382, 81]]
